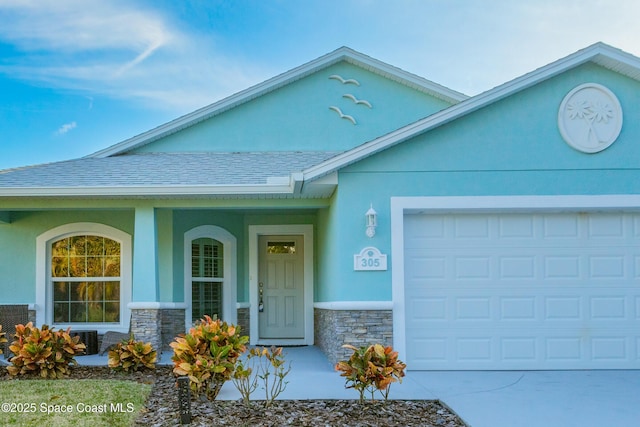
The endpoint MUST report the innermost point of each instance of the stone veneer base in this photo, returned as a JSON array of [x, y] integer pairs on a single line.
[[161, 326], [334, 328]]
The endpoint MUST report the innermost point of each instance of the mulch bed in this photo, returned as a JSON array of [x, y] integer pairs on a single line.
[[161, 408]]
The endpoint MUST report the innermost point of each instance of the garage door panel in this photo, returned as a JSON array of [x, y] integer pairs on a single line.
[[535, 307], [521, 265], [557, 291], [557, 350], [541, 230]]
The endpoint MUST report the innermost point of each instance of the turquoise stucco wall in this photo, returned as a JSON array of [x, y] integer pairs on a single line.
[[512, 147], [17, 267], [236, 223], [297, 116], [17, 263]]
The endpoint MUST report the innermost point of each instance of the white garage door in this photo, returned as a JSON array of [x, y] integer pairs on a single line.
[[522, 291]]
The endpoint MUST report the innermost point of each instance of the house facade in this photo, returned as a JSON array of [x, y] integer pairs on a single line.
[[348, 201]]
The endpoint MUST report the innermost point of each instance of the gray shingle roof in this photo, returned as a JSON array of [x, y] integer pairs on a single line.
[[164, 169]]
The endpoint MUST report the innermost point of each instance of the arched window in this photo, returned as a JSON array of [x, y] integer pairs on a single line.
[[210, 274], [84, 277], [207, 278]]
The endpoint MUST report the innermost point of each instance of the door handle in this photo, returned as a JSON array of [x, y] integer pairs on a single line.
[[260, 291]]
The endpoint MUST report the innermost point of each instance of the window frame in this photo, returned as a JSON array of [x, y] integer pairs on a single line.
[[229, 279], [203, 279], [44, 282]]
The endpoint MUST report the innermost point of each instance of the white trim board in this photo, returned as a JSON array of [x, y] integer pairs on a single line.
[[44, 297], [354, 305], [478, 204], [230, 268]]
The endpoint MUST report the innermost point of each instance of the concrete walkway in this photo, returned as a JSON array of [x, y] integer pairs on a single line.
[[480, 398]]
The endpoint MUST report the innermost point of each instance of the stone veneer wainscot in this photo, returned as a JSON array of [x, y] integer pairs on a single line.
[[335, 327]]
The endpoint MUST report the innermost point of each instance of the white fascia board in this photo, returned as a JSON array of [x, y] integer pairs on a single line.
[[404, 77], [594, 53], [204, 190], [297, 179], [277, 185]]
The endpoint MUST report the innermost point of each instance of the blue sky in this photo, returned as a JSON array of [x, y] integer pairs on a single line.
[[77, 76]]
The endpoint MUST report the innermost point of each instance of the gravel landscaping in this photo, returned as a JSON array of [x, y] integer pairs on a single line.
[[162, 407]]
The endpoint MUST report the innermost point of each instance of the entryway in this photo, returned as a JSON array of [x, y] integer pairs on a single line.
[[281, 287], [281, 284]]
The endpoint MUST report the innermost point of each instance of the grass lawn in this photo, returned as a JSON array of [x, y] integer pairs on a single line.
[[74, 402]]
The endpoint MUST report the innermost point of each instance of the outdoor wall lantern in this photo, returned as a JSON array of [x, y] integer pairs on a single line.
[[372, 221]]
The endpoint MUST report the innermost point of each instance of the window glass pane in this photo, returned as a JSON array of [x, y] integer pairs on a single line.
[[89, 300], [95, 245], [60, 266], [207, 258], [60, 248], [85, 256], [111, 247], [95, 312], [195, 259], [78, 245], [112, 266], [112, 291], [77, 291], [97, 302], [112, 312], [281, 247], [95, 266], [77, 266], [61, 312], [61, 291], [77, 312], [206, 298]]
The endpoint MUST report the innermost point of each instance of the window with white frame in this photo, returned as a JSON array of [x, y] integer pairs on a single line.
[[207, 277], [210, 266], [85, 277]]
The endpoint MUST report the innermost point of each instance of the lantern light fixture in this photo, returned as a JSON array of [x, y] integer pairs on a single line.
[[372, 221]]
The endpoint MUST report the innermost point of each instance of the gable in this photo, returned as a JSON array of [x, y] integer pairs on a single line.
[[517, 139], [298, 115]]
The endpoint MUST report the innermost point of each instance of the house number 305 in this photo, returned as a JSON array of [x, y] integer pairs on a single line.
[[370, 262], [369, 259]]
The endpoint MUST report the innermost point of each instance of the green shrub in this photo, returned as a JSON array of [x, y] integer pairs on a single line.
[[371, 368], [44, 352], [132, 356], [267, 365], [208, 355]]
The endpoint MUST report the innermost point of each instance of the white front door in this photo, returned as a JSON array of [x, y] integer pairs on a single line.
[[281, 287]]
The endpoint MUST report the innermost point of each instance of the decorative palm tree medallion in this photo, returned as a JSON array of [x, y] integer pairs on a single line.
[[590, 118]]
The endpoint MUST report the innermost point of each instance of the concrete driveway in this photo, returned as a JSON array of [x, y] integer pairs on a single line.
[[480, 398], [538, 398]]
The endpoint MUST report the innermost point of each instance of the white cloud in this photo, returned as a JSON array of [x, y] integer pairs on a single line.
[[66, 128], [125, 50], [117, 49], [80, 25]]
